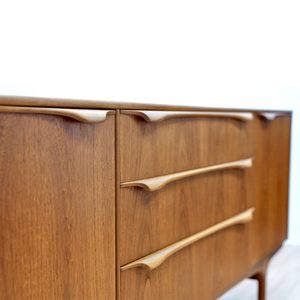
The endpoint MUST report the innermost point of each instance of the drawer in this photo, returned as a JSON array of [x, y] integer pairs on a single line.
[[152, 220], [182, 142], [201, 270]]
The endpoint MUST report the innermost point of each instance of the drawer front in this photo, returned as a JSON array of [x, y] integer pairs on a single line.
[[150, 221], [149, 149], [201, 270]]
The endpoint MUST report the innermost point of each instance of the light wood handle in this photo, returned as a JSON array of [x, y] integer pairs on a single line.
[[272, 116], [82, 115], [156, 183], [156, 116], [155, 259]]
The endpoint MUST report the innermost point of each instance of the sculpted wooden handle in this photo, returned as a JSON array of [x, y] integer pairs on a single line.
[[156, 116], [82, 115], [156, 183], [155, 259], [272, 116]]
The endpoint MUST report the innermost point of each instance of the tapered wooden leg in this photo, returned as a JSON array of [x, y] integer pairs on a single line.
[[260, 276]]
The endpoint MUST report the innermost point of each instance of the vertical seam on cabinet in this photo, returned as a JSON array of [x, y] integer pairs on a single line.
[[289, 176], [117, 200]]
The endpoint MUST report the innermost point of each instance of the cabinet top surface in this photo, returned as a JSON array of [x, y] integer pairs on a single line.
[[101, 104]]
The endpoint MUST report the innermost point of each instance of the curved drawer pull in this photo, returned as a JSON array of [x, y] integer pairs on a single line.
[[272, 116], [156, 183], [156, 116], [155, 259], [82, 115]]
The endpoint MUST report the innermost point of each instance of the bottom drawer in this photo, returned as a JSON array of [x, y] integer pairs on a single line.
[[200, 270]]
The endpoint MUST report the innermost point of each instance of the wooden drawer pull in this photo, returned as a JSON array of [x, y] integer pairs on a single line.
[[156, 116], [82, 115], [272, 116], [155, 259], [156, 183]]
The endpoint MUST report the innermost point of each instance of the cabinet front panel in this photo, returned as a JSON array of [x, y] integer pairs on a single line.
[[200, 271], [150, 221], [180, 144], [57, 210], [271, 184]]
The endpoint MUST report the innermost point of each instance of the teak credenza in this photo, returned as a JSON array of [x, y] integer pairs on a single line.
[[107, 200]]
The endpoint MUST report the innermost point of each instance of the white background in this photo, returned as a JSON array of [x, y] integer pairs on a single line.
[[241, 54]]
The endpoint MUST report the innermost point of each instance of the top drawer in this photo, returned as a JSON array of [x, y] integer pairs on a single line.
[[184, 141]]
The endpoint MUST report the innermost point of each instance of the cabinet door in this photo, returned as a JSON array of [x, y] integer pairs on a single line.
[[271, 184], [57, 208]]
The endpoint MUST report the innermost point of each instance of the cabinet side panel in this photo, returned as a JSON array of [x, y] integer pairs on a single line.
[[272, 185], [57, 210]]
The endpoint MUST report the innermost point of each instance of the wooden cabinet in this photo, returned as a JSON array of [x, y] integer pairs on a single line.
[[124, 201]]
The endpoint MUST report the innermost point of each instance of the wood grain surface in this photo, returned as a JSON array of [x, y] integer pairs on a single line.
[[199, 271], [180, 144], [155, 259], [271, 185], [283, 275], [66, 227], [152, 221], [82, 115], [117, 201], [57, 209], [102, 104]]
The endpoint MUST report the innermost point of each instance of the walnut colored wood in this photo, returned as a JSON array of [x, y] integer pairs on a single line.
[[67, 226], [152, 221], [57, 209], [181, 144], [260, 276], [82, 115], [282, 278], [199, 271], [271, 185], [272, 115], [117, 201], [102, 104], [250, 273], [156, 183], [155, 259], [157, 116]]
